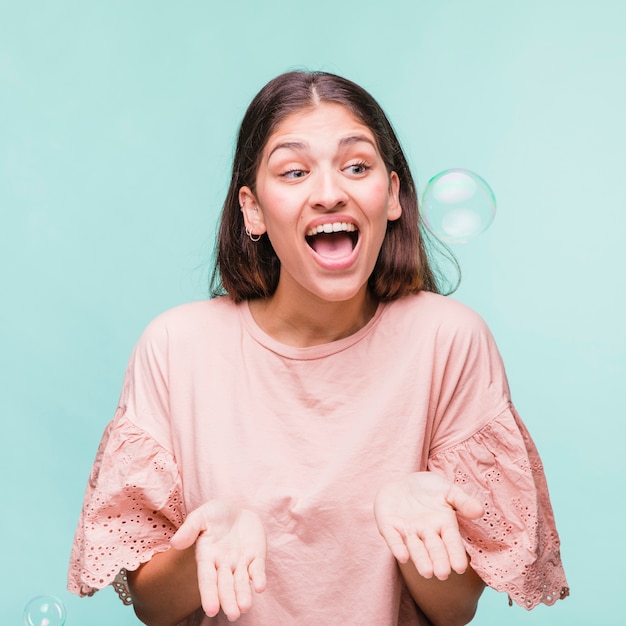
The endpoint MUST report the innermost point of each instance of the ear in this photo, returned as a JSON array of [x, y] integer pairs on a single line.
[[252, 214], [394, 208]]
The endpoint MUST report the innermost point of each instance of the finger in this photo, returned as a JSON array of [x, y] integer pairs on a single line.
[[243, 593], [456, 549], [207, 583], [396, 543], [256, 572], [226, 592], [438, 555], [419, 556], [186, 535], [467, 506]]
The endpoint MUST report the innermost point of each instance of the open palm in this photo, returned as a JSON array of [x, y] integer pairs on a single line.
[[417, 517], [230, 547]]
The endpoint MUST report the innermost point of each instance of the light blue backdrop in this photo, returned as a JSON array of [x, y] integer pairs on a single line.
[[117, 122]]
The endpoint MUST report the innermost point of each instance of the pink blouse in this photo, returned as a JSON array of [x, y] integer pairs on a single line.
[[212, 407]]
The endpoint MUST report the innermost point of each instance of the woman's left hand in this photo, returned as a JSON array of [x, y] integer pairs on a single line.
[[417, 517]]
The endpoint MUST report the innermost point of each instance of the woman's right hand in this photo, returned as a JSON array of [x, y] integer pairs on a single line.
[[230, 549]]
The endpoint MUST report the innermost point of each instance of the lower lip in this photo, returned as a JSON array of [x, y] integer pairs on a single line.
[[336, 264]]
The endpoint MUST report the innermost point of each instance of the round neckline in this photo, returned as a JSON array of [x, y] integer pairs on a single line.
[[310, 352]]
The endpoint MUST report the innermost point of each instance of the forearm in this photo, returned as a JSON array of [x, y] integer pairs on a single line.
[[165, 589], [450, 602]]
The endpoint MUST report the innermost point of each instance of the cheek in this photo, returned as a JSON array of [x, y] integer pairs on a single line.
[[377, 199], [274, 202], [281, 223]]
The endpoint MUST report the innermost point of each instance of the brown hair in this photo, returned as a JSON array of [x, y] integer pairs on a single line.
[[246, 269]]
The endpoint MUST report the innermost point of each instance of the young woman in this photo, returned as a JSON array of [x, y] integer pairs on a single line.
[[328, 440]]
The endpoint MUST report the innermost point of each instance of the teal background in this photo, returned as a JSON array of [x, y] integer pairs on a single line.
[[117, 122]]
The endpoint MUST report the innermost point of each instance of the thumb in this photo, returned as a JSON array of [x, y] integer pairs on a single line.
[[187, 534], [465, 505]]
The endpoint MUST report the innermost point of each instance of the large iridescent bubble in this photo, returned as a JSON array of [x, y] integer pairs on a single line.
[[458, 205]]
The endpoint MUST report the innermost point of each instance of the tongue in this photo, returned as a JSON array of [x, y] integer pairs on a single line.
[[332, 246]]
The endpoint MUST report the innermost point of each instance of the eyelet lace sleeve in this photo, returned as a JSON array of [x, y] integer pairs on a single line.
[[133, 505], [514, 547]]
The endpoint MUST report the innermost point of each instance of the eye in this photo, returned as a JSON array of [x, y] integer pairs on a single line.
[[357, 169], [294, 173]]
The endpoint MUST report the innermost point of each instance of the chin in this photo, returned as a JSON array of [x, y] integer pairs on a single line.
[[341, 294]]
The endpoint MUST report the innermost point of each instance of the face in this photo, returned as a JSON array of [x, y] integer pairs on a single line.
[[323, 196]]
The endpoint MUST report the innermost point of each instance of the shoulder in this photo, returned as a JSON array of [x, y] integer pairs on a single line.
[[193, 320], [433, 312], [222, 308], [433, 326]]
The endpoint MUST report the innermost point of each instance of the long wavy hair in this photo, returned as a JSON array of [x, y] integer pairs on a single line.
[[246, 270]]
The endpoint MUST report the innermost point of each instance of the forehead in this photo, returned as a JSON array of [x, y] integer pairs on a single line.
[[323, 121]]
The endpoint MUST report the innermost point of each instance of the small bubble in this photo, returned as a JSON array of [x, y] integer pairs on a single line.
[[44, 611]]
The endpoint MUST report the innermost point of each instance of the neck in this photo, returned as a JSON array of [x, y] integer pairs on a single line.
[[308, 321]]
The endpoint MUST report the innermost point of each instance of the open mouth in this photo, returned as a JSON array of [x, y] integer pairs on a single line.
[[333, 241]]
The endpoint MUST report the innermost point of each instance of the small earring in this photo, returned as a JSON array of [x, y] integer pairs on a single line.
[[254, 238]]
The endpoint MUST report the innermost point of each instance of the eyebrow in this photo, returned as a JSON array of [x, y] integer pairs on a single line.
[[288, 145], [348, 141], [299, 145]]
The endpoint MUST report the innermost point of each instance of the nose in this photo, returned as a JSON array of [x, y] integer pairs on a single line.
[[327, 191]]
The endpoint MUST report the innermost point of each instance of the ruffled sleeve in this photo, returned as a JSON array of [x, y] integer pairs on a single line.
[[133, 505], [514, 547]]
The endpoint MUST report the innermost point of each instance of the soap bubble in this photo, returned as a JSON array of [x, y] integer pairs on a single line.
[[44, 611], [458, 205]]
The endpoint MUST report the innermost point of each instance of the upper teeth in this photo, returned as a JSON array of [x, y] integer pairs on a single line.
[[335, 227]]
